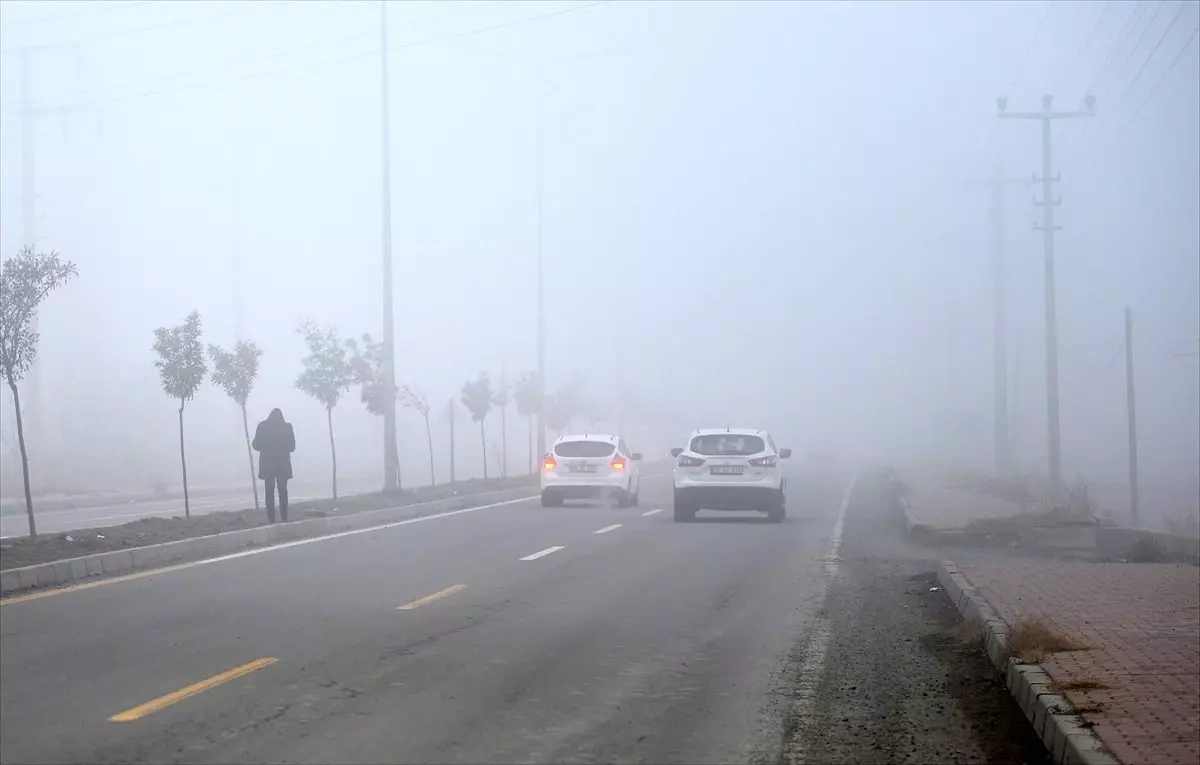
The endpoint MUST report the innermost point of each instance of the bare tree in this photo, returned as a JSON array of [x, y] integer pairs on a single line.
[[25, 281], [525, 396], [181, 368], [477, 398], [418, 401], [327, 375], [235, 372]]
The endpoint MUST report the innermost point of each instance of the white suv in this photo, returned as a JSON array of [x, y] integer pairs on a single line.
[[730, 469], [589, 466]]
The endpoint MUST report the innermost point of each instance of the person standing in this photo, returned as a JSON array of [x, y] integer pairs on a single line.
[[274, 440]]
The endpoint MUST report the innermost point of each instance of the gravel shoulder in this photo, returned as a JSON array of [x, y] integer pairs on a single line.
[[15, 553], [899, 686]]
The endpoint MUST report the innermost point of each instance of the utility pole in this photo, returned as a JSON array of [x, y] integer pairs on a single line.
[[391, 457], [1047, 116], [1131, 409], [450, 417], [34, 432], [1001, 439], [541, 305]]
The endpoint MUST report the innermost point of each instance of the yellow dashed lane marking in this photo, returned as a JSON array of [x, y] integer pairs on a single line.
[[162, 702]]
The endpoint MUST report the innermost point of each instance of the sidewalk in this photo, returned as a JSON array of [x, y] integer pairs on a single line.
[[1140, 625]]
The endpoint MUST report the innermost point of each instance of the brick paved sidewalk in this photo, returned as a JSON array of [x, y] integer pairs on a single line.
[[1141, 623]]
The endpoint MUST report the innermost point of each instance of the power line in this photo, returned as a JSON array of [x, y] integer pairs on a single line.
[[1150, 96], [1113, 132], [1138, 76], [1134, 15], [118, 33], [92, 8], [1070, 70], [339, 60], [1142, 36], [305, 48]]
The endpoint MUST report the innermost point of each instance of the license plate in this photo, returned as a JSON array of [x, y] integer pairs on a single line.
[[726, 469], [582, 469]]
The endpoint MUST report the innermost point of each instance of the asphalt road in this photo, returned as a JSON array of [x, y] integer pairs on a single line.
[[513, 633]]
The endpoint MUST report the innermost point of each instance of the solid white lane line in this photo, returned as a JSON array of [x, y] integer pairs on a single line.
[[607, 529], [812, 668], [544, 553], [652, 512], [40, 594]]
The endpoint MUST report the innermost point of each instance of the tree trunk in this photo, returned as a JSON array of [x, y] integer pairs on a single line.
[[332, 447], [483, 441], [451, 410], [503, 443], [250, 457], [187, 505], [429, 440], [24, 460]]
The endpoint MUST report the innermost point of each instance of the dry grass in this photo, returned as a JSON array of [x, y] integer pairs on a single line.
[[1082, 684], [1032, 638], [968, 632]]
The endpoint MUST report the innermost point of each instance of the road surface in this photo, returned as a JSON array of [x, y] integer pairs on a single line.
[[514, 633]]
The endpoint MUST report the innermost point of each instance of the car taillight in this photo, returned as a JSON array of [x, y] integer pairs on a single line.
[[686, 461], [549, 463], [770, 461], [618, 463]]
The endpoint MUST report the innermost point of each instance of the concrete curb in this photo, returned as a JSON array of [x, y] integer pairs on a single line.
[[73, 570], [1062, 730]]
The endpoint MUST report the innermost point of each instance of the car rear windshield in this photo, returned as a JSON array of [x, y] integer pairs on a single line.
[[584, 449], [733, 444]]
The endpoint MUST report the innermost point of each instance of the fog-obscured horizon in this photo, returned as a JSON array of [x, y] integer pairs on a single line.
[[752, 214]]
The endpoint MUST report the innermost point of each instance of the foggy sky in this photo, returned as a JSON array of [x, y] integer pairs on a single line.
[[753, 211]]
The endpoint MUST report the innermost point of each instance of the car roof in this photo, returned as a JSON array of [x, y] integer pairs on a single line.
[[738, 431], [587, 437]]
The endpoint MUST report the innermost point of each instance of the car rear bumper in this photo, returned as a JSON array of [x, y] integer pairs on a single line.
[[752, 497], [589, 486]]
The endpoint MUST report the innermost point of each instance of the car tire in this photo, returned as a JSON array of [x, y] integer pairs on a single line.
[[551, 500], [624, 498], [684, 513], [777, 511], [636, 499]]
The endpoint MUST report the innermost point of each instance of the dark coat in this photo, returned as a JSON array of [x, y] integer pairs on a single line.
[[275, 441]]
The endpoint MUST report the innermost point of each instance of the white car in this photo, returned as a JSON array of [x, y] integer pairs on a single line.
[[588, 466], [730, 469]]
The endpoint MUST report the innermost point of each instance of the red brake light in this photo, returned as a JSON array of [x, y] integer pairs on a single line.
[[618, 463], [549, 463]]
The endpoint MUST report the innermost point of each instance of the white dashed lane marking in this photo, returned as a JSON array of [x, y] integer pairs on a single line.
[[544, 553]]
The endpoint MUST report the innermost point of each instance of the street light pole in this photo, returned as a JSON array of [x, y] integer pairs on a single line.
[[541, 304], [391, 459]]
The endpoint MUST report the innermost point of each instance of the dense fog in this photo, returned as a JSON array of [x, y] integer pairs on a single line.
[[750, 214]]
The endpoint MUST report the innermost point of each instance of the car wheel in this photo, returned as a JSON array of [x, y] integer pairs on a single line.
[[683, 511], [636, 499], [551, 500], [777, 511], [624, 498]]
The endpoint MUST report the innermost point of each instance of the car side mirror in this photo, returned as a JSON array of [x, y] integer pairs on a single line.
[[637, 456], [785, 453], [676, 452]]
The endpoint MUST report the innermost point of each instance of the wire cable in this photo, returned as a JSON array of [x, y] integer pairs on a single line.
[[1166, 73], [327, 62], [114, 34], [372, 35], [1070, 70]]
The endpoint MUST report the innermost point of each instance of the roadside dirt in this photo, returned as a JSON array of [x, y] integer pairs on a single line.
[[15, 553]]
